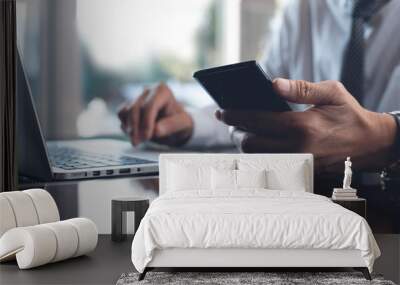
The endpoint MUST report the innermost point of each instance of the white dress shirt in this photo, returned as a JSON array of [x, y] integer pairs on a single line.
[[309, 45]]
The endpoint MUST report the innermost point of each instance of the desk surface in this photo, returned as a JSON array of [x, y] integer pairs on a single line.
[[103, 266]]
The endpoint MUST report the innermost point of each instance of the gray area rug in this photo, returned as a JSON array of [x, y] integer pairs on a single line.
[[229, 278]]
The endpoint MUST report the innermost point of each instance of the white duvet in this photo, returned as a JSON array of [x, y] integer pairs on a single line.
[[250, 219]]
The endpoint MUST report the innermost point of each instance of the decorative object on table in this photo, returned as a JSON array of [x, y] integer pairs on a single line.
[[348, 173], [344, 194], [31, 231], [347, 192], [357, 205], [119, 209], [249, 278]]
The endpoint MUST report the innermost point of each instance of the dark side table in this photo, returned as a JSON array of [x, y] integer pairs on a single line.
[[119, 207], [357, 205]]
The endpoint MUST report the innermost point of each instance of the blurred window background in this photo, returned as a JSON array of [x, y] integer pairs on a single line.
[[84, 58]]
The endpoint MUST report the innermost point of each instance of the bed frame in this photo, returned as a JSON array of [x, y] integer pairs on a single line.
[[256, 258], [237, 258]]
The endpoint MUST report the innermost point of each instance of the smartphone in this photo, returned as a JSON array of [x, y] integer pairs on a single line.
[[241, 86]]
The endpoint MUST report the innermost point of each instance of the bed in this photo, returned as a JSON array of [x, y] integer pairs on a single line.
[[247, 210]]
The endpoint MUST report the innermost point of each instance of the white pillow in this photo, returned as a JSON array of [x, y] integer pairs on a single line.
[[292, 179], [182, 177], [225, 179], [251, 178], [281, 174]]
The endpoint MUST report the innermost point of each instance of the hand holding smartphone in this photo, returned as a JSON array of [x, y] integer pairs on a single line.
[[241, 86]]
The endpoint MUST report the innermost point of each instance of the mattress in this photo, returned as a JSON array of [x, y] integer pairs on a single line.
[[250, 219]]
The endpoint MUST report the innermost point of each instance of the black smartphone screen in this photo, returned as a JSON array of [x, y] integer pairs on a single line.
[[241, 86]]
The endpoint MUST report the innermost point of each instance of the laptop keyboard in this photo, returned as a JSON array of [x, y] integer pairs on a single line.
[[69, 159]]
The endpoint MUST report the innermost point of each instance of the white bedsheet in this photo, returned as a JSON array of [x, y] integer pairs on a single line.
[[250, 219]]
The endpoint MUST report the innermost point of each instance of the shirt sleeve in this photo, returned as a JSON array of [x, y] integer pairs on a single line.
[[279, 55], [276, 54], [390, 100], [208, 132]]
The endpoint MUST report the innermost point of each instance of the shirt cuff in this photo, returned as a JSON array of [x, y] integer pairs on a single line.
[[208, 132]]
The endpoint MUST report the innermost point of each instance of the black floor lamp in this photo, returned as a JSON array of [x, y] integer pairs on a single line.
[[8, 167]]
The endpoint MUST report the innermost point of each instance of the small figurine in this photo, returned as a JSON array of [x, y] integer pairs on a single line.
[[347, 192], [348, 173]]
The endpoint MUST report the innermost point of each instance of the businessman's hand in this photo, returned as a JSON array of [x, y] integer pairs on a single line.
[[334, 128], [156, 116]]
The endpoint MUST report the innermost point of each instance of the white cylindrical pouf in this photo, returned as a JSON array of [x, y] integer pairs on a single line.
[[87, 234], [7, 218], [23, 208], [67, 239], [45, 205], [34, 246]]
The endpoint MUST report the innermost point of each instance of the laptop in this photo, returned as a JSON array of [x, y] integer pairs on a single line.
[[67, 160]]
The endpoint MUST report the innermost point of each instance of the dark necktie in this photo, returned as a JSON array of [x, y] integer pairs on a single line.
[[352, 75]]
